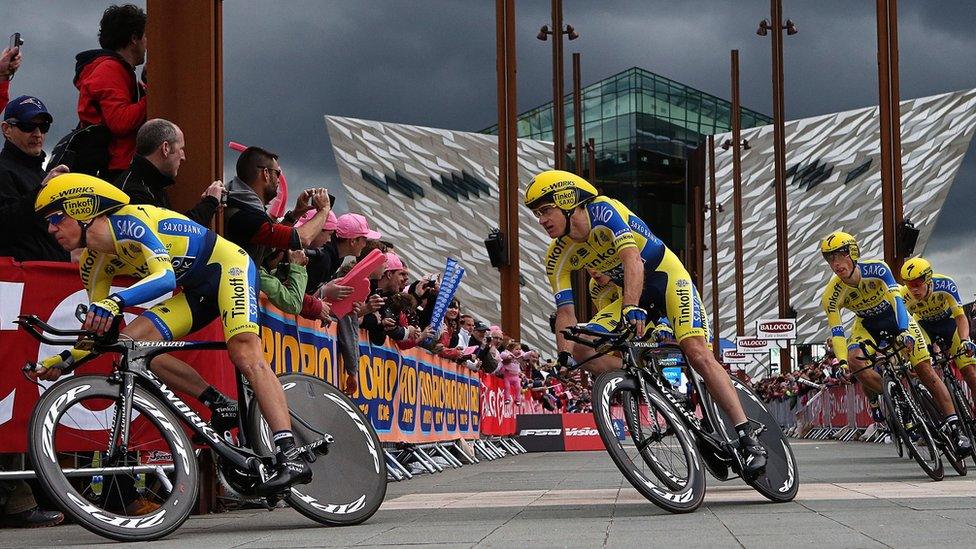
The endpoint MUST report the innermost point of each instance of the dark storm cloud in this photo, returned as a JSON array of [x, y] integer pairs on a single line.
[[433, 62]]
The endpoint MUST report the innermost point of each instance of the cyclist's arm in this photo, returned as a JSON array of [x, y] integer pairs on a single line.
[[894, 296], [559, 273], [952, 301], [831, 306], [565, 317]]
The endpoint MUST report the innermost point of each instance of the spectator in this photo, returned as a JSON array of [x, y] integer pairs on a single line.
[[511, 372], [108, 93], [246, 220], [9, 63], [385, 321], [486, 352], [351, 234], [17, 506], [159, 154], [24, 234]]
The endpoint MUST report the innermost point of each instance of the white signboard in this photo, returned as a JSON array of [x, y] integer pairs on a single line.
[[731, 356], [753, 345], [776, 328]]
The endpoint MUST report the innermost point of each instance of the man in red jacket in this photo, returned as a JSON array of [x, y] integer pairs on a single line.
[[108, 92]]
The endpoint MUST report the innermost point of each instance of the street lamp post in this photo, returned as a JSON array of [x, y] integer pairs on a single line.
[[890, 120], [508, 181], [779, 153], [558, 114]]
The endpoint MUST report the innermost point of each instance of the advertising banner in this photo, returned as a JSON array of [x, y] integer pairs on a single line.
[[52, 291], [732, 356], [497, 416], [541, 432], [776, 328], [753, 345], [579, 433]]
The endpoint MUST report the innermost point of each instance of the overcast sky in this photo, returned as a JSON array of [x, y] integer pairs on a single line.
[[432, 63]]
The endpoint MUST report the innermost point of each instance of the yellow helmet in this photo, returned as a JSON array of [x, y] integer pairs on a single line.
[[916, 268], [838, 241], [564, 190], [79, 196]]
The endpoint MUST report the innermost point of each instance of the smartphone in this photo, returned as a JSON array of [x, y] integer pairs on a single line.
[[15, 41]]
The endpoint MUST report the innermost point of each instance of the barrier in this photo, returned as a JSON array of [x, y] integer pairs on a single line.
[[559, 432], [834, 412]]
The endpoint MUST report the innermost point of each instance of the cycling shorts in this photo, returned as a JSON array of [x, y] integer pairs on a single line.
[[229, 289], [946, 331], [669, 284], [868, 331]]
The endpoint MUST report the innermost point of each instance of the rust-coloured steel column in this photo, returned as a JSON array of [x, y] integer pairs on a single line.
[[779, 153], [890, 110], [508, 176], [740, 322], [558, 112], [591, 159], [577, 115], [185, 75], [716, 323]]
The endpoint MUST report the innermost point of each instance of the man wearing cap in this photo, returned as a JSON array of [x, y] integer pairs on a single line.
[[351, 233], [384, 323], [159, 154], [26, 122], [246, 220]]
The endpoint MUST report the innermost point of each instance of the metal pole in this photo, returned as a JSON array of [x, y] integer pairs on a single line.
[[508, 182], [577, 115], [558, 114], [779, 152], [740, 308], [890, 118], [717, 330], [591, 160]]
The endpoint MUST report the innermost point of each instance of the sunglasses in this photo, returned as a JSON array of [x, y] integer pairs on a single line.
[[29, 127], [917, 283], [55, 218], [276, 172]]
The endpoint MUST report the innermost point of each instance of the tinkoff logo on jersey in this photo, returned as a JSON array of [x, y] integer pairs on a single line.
[[80, 207]]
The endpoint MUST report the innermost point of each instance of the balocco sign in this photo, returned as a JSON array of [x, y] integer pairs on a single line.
[[752, 345], [781, 328], [731, 356]]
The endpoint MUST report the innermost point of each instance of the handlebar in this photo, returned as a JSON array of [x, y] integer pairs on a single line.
[[42, 331]]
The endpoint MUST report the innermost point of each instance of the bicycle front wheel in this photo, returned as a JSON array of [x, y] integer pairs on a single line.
[[963, 410], [912, 429], [658, 457], [934, 418], [142, 494], [349, 475]]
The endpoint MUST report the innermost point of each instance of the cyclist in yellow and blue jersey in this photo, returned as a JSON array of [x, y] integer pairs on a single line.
[[868, 289], [595, 232], [933, 299], [164, 249]]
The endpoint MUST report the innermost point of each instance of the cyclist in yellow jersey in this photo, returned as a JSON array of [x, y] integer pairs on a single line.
[[868, 289], [933, 299], [165, 249], [599, 233]]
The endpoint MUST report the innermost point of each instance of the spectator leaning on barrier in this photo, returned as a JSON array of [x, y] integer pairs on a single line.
[[385, 322], [349, 240], [108, 93], [23, 234], [159, 154], [10, 60]]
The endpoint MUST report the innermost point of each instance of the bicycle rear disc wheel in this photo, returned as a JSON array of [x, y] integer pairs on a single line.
[[909, 422], [72, 421], [349, 475], [891, 422], [663, 439], [780, 481]]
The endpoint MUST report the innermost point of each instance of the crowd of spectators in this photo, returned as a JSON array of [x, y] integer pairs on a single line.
[[792, 386]]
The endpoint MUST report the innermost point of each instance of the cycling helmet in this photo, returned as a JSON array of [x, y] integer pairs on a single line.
[[840, 241], [79, 196], [916, 268], [563, 190]]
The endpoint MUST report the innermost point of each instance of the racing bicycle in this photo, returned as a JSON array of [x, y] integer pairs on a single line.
[[661, 445], [908, 422], [111, 450], [943, 363]]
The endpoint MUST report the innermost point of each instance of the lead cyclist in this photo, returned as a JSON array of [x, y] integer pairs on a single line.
[[595, 232]]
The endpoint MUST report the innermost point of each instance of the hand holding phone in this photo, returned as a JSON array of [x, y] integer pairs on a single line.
[[12, 56]]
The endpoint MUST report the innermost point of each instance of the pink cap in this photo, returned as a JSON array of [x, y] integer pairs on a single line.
[[330, 222], [393, 262], [352, 225]]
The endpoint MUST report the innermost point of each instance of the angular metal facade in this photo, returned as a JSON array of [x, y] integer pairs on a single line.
[[434, 194], [834, 183]]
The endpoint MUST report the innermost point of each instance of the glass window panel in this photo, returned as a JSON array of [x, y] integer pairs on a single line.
[[609, 107], [609, 129], [593, 130], [591, 109]]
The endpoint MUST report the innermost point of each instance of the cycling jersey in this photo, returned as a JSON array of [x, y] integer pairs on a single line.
[[165, 249], [603, 294], [936, 314], [667, 284], [877, 304]]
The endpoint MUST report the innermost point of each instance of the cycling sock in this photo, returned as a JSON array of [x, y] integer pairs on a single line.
[[744, 429], [950, 420], [284, 440], [209, 396]]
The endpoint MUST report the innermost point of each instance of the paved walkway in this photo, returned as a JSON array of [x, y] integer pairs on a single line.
[[852, 495]]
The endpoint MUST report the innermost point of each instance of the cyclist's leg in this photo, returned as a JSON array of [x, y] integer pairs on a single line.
[[964, 363], [686, 314], [169, 320], [922, 363], [870, 379], [246, 354], [606, 320]]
